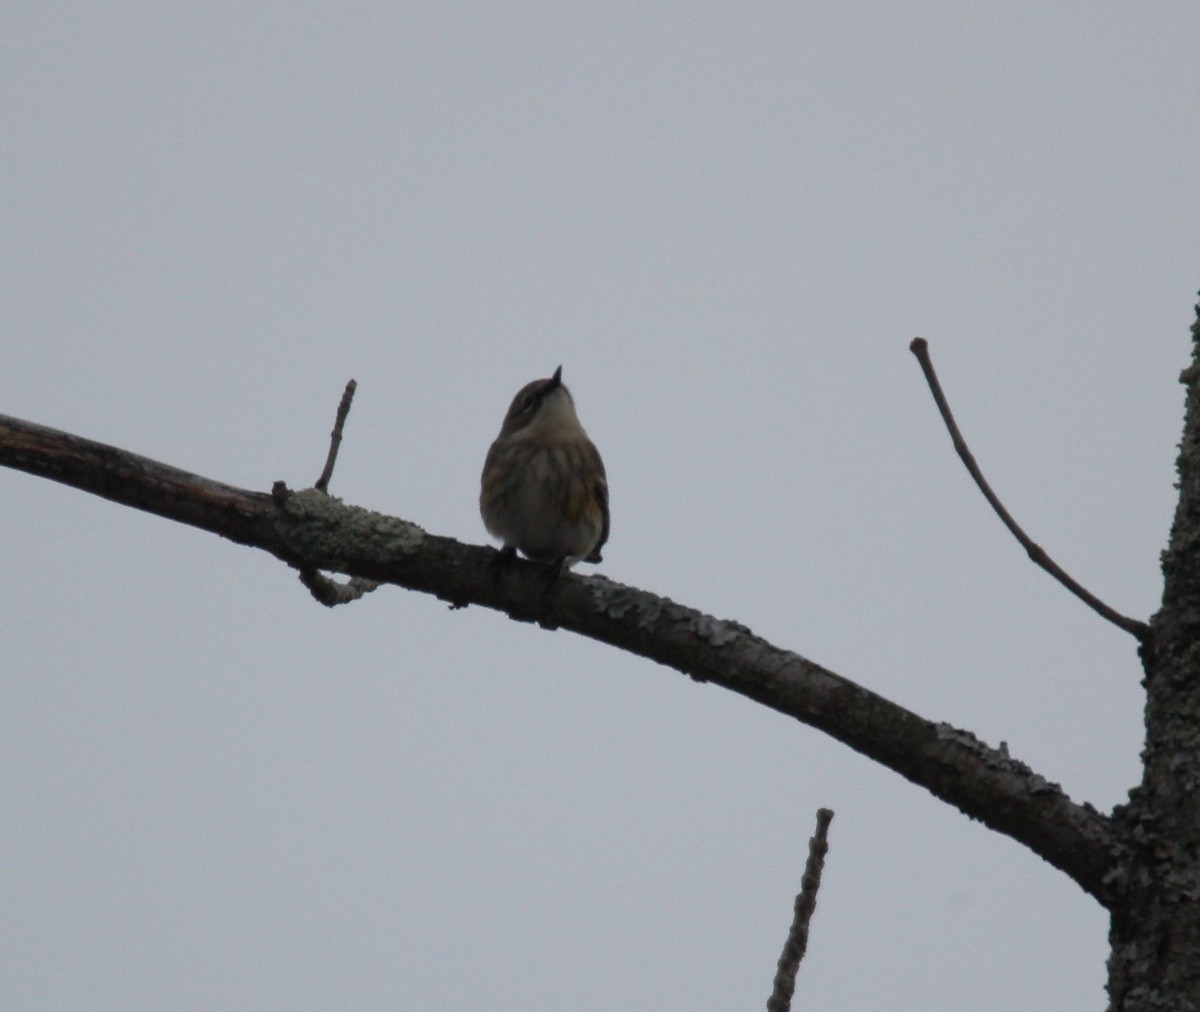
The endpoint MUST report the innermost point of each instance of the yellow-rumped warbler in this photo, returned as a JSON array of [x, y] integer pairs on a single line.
[[543, 489]]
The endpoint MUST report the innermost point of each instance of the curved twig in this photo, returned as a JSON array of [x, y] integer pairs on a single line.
[[330, 592], [920, 348]]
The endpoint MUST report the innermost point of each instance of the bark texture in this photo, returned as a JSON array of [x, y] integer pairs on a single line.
[[1155, 906]]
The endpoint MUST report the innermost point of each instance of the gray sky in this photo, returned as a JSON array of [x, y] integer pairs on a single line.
[[726, 222]]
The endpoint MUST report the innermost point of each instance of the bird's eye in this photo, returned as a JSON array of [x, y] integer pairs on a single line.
[[529, 404]]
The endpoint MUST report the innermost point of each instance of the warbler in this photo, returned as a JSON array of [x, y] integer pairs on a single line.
[[544, 491]]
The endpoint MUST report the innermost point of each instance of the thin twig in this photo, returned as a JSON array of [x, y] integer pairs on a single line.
[[920, 348], [326, 590], [335, 437], [806, 902]]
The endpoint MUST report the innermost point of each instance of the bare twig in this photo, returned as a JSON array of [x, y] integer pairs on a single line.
[[335, 437], [920, 348], [327, 591], [806, 903]]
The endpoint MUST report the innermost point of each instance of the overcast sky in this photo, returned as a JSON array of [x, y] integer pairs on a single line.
[[726, 222]]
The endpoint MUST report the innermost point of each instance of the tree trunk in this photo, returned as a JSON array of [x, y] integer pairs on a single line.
[[1155, 903]]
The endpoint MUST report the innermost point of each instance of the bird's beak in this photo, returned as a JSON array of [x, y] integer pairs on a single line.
[[556, 379]]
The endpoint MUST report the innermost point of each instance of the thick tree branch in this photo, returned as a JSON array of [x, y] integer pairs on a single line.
[[122, 477], [920, 348], [310, 530]]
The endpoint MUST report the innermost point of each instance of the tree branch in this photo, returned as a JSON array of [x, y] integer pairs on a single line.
[[310, 530], [806, 903], [920, 348]]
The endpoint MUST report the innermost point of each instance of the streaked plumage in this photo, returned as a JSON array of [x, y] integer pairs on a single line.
[[544, 491]]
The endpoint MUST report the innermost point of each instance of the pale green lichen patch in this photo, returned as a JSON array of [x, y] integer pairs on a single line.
[[617, 601], [322, 527], [996, 758]]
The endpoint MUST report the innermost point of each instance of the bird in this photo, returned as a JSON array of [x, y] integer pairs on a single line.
[[544, 491]]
